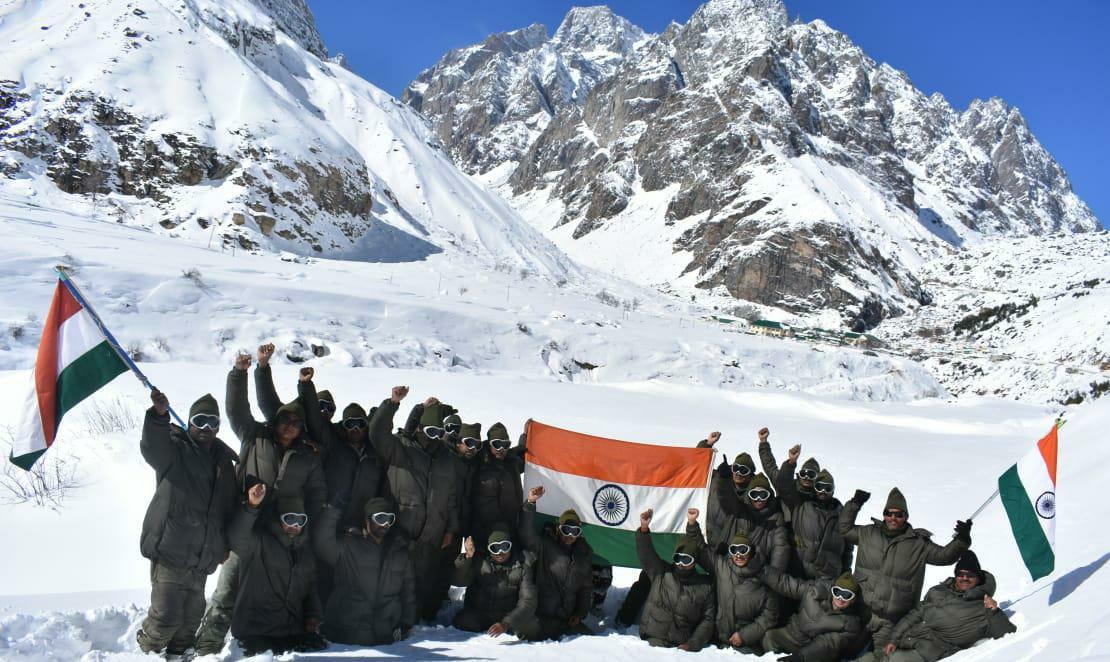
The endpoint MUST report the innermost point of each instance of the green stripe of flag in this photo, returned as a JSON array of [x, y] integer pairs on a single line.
[[27, 460], [1031, 540], [85, 375], [618, 546]]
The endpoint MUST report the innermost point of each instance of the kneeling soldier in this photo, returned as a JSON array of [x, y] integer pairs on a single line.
[[826, 626], [501, 591]]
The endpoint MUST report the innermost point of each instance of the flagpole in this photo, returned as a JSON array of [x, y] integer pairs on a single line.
[[1059, 424], [112, 342]]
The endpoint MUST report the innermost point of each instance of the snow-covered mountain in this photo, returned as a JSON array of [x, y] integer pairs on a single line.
[[224, 120], [746, 156]]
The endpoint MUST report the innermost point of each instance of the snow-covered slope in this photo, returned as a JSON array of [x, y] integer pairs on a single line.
[[206, 120]]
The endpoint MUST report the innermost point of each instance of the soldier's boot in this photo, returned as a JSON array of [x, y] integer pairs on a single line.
[[217, 618]]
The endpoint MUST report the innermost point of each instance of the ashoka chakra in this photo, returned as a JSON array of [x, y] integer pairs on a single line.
[[611, 504], [1046, 505]]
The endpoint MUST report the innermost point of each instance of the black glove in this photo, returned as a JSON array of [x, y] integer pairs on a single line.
[[860, 497], [963, 530], [724, 470]]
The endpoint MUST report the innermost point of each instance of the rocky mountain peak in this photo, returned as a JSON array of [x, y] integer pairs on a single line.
[[294, 18], [519, 41], [597, 28], [745, 16]]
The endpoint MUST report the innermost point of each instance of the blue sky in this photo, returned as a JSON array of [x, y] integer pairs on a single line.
[[1050, 59]]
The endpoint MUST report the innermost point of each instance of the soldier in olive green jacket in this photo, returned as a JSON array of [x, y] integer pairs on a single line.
[[819, 548], [826, 626], [500, 588], [681, 607], [954, 615], [729, 481], [564, 570], [757, 515], [498, 491]]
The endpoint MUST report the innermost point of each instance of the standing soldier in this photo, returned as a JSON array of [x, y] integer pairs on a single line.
[[730, 481], [564, 570], [421, 480], [465, 443], [498, 492], [759, 517], [268, 400], [275, 455], [806, 475], [184, 528], [819, 548]]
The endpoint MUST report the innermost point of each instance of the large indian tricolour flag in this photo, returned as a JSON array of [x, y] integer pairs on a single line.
[[1028, 491], [609, 483], [74, 360]]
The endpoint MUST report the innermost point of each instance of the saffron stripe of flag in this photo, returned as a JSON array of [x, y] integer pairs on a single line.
[[74, 361], [1028, 491], [609, 483]]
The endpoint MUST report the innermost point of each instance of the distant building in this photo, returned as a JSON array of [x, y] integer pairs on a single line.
[[769, 328]]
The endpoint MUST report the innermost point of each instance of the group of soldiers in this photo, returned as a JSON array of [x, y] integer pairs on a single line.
[[350, 531]]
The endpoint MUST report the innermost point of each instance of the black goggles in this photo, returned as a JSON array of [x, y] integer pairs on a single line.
[[452, 428], [682, 559], [472, 443], [500, 444], [433, 432], [807, 474], [741, 470], [847, 595], [967, 574], [500, 547], [328, 406], [570, 530], [294, 519], [383, 519], [354, 423], [205, 421], [759, 494], [739, 550], [896, 514], [822, 486]]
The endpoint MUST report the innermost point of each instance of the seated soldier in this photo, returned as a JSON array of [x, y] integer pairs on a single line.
[[564, 570], [681, 608], [746, 608], [826, 626], [954, 615], [500, 589], [374, 597], [277, 607]]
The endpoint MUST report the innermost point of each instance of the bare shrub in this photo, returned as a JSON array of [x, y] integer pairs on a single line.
[[111, 416], [608, 298], [46, 485]]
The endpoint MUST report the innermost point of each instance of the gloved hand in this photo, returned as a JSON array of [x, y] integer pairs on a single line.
[[724, 470], [963, 530], [860, 497]]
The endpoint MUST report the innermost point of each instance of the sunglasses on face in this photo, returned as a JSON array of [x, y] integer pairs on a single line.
[[327, 406], [739, 550], [433, 432], [807, 474], [741, 470], [966, 574], [843, 594], [683, 559], [452, 428], [205, 421], [289, 421], [896, 514], [501, 547], [354, 423], [471, 443], [822, 486], [500, 444], [294, 519], [759, 494], [383, 519], [570, 530]]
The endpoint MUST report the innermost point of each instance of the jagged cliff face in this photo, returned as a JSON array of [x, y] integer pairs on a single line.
[[776, 161], [224, 122]]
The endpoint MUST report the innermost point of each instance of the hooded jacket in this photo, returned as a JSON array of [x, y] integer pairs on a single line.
[[681, 607], [766, 528], [499, 592], [826, 635], [948, 621], [819, 547], [564, 575], [498, 492]]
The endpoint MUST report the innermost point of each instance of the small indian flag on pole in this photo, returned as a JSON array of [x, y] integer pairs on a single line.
[[1028, 491], [75, 359], [609, 483]]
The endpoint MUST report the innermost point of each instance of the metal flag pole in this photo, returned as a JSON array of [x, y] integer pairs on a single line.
[[1059, 424], [112, 342]]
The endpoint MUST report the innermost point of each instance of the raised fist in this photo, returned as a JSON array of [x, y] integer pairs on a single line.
[[256, 494], [793, 453], [307, 374], [432, 401], [692, 515], [713, 438], [535, 493], [242, 361], [468, 547], [763, 433], [398, 393], [160, 401], [265, 353], [645, 518], [860, 497]]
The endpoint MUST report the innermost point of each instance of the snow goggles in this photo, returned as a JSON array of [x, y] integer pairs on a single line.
[[294, 519], [847, 595], [807, 474], [822, 486], [452, 428], [472, 443], [354, 423], [433, 432], [500, 444], [205, 421], [570, 530], [383, 519], [739, 550], [327, 406], [741, 470], [500, 547], [759, 494], [896, 514], [682, 559]]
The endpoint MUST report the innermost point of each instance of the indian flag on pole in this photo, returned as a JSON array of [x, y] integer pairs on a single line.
[[75, 359], [1028, 491], [609, 483]]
